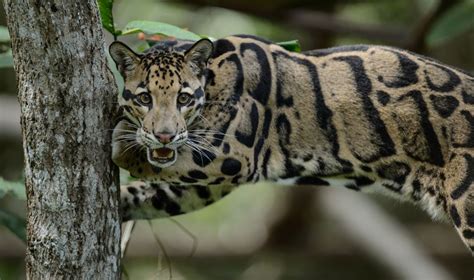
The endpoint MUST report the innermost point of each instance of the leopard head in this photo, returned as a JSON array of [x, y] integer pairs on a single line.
[[163, 95]]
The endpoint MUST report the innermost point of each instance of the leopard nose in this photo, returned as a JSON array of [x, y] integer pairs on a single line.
[[164, 138]]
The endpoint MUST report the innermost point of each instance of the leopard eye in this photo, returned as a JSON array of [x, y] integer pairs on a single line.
[[144, 98], [184, 98]]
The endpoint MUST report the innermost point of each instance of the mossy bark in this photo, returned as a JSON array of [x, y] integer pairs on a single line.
[[67, 96]]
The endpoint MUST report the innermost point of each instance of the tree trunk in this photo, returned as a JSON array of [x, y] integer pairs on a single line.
[[67, 98]]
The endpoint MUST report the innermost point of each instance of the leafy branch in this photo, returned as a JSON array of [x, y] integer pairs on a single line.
[[160, 28]]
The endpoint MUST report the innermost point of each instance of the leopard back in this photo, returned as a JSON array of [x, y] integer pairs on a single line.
[[369, 118]]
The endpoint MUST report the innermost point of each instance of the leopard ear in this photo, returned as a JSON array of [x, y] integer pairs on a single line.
[[198, 55], [125, 59]]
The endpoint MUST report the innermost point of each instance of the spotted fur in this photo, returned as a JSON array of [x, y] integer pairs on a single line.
[[369, 118]]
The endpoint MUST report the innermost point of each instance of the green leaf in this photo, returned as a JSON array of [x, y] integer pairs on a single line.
[[143, 46], [292, 46], [154, 27], [455, 21], [105, 9], [14, 223], [15, 188], [151, 43], [4, 35]]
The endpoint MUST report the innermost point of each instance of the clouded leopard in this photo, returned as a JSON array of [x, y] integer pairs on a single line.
[[200, 119]]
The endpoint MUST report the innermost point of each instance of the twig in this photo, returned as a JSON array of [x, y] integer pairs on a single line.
[[190, 234], [126, 234], [162, 247]]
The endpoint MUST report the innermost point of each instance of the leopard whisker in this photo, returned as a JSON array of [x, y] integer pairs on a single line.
[[133, 145], [201, 147], [205, 146], [208, 138], [209, 131], [126, 137], [199, 137], [123, 130], [192, 146]]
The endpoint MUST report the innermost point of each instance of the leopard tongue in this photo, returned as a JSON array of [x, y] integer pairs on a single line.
[[163, 153]]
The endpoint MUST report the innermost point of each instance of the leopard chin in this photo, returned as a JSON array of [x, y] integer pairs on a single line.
[[162, 157]]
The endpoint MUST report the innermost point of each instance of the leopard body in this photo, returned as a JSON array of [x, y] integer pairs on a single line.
[[368, 118]]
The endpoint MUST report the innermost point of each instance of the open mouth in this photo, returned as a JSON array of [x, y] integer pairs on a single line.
[[163, 155]]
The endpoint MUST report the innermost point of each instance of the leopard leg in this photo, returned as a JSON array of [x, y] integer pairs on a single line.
[[461, 200], [143, 200], [462, 216]]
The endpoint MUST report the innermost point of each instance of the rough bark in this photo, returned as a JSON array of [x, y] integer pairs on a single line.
[[67, 96]]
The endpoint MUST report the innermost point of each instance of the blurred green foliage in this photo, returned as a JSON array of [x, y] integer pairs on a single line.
[[6, 58], [12, 221], [4, 35], [452, 23], [17, 189]]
